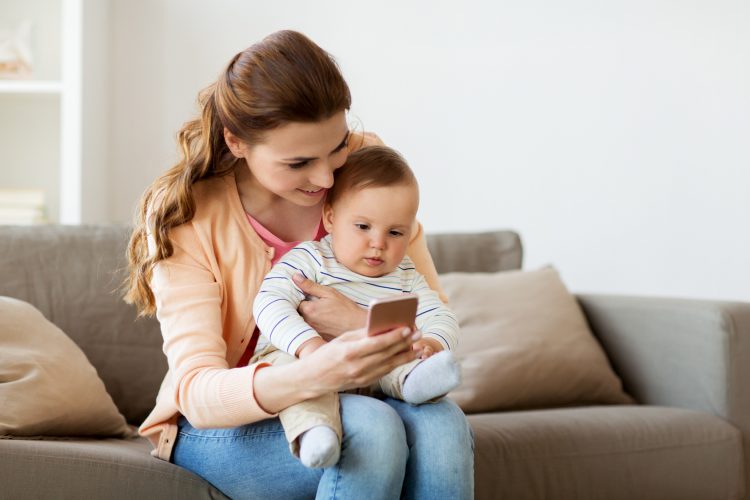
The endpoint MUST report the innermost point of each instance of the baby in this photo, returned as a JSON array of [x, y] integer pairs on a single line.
[[370, 214]]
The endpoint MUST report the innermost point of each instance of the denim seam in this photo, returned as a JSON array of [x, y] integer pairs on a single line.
[[229, 436], [336, 482]]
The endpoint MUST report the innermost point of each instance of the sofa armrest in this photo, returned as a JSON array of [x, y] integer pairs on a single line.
[[692, 354], [673, 352]]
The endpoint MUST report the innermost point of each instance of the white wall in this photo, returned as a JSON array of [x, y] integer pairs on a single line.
[[612, 135]]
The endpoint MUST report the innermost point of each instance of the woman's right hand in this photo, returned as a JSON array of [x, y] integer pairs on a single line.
[[355, 359], [351, 360]]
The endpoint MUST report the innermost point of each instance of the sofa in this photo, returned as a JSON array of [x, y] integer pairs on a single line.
[[685, 362]]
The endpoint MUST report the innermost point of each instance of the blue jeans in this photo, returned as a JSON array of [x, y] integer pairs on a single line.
[[390, 449]]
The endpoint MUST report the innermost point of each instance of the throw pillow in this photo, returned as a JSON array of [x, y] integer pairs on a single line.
[[525, 343], [47, 385]]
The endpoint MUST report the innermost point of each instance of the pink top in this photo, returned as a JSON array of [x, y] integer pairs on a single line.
[[280, 247]]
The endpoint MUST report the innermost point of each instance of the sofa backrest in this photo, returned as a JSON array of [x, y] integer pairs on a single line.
[[475, 252], [72, 274]]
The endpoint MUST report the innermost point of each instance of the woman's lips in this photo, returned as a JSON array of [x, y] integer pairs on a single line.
[[313, 194]]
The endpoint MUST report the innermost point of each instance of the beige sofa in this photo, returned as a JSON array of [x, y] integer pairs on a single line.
[[686, 362]]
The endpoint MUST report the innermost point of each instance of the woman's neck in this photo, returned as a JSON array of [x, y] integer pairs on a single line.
[[284, 219]]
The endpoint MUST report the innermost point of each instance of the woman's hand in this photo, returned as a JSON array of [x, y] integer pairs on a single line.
[[330, 313], [355, 359], [351, 360]]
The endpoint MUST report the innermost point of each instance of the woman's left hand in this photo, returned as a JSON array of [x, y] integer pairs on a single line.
[[330, 313]]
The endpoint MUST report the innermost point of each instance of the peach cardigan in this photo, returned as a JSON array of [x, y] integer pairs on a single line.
[[204, 295]]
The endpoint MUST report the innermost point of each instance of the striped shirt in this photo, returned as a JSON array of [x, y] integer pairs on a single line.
[[276, 303]]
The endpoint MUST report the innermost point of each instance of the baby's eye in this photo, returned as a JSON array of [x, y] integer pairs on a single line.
[[363, 227], [396, 233]]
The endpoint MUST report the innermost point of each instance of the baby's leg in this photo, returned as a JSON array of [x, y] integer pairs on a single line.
[[423, 380], [312, 427]]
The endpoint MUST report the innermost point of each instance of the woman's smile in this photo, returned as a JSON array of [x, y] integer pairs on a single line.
[[313, 193]]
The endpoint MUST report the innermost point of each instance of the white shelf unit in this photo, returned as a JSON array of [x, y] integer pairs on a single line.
[[30, 86], [41, 125]]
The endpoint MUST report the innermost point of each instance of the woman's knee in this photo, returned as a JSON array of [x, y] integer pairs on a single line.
[[455, 424], [375, 428], [437, 429]]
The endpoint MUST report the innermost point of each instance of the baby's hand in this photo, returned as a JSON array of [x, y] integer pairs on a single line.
[[427, 346]]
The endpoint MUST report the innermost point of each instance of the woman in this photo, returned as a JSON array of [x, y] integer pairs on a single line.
[[251, 183]]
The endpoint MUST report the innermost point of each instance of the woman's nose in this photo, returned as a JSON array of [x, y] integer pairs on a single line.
[[323, 175]]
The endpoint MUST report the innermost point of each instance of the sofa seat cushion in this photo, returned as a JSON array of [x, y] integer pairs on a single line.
[[622, 452], [93, 468]]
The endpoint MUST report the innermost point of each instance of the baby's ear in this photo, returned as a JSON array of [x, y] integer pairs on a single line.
[[328, 217]]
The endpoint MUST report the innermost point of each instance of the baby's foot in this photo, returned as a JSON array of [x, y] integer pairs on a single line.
[[319, 447], [433, 377]]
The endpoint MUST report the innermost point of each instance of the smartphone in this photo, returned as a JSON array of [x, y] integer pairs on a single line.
[[391, 312]]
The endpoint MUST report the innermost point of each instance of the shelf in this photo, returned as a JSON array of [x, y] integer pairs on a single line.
[[30, 87]]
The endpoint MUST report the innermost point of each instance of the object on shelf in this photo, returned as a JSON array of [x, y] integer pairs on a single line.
[[16, 59], [22, 207]]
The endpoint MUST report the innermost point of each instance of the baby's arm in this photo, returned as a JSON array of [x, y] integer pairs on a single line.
[[275, 306], [438, 324]]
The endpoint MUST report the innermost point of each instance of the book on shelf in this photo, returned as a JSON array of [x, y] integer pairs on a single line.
[[22, 207]]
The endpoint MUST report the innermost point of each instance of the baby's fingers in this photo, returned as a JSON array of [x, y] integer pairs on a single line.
[[426, 352]]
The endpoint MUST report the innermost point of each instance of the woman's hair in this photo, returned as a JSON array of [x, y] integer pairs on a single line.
[[282, 79], [372, 166]]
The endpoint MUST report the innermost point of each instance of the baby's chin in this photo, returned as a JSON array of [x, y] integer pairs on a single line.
[[373, 272]]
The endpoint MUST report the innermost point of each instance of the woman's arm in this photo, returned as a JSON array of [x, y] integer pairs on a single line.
[[420, 255], [210, 393], [188, 297], [354, 359]]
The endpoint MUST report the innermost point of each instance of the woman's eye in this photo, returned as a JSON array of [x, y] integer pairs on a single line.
[[341, 147], [299, 164]]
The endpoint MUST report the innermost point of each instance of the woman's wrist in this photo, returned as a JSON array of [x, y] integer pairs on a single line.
[[277, 387]]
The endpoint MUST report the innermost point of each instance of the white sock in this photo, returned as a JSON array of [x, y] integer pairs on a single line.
[[433, 377], [319, 447]]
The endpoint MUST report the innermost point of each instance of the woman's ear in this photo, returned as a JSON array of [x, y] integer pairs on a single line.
[[233, 143], [328, 217]]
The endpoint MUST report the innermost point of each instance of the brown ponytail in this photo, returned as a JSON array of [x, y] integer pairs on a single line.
[[282, 79]]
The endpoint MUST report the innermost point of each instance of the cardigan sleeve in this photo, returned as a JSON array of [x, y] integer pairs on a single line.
[[189, 309], [422, 259]]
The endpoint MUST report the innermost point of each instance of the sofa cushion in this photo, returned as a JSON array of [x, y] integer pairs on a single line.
[[94, 468], [525, 343], [72, 274], [47, 386], [615, 452]]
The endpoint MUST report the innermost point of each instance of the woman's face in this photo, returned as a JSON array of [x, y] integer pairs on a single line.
[[295, 162]]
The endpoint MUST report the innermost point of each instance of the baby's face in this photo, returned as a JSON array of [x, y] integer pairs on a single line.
[[370, 228]]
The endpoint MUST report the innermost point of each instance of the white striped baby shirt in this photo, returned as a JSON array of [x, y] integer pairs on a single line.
[[275, 306]]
